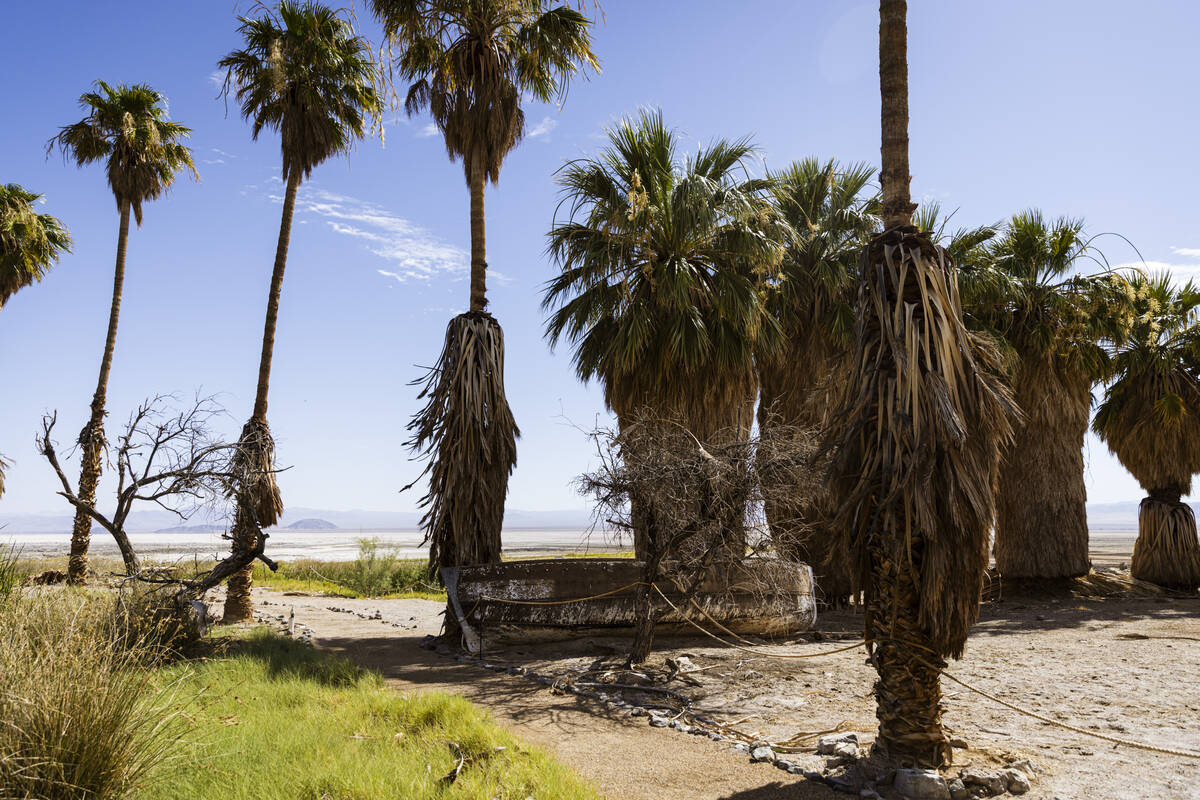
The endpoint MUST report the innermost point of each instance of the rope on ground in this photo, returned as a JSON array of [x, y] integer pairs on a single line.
[[1049, 721], [765, 653]]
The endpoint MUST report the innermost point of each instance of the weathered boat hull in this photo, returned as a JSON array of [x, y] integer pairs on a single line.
[[553, 599]]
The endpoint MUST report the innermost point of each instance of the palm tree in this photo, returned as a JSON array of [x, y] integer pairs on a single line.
[[30, 244], [1150, 419], [127, 128], [1053, 322], [662, 260], [469, 63], [918, 435], [304, 73], [831, 211]]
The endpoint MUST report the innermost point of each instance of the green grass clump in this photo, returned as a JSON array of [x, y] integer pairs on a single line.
[[79, 715], [280, 721], [378, 571]]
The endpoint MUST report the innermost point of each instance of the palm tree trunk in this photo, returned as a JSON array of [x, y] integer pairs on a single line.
[[1041, 520], [893, 88], [478, 242], [91, 438], [908, 691], [1167, 551], [246, 527]]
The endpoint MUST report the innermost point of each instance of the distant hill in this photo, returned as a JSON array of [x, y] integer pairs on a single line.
[[312, 524], [193, 529]]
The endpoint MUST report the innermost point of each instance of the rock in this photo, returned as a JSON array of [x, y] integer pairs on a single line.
[[716, 737], [680, 726], [958, 790], [1026, 766], [921, 784], [869, 794], [783, 764], [990, 781], [741, 747], [827, 745], [658, 722], [847, 750], [762, 754], [1016, 781], [638, 711]]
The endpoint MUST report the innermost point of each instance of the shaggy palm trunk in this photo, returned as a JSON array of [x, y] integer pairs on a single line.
[[1167, 551], [1041, 521], [91, 438], [258, 502], [796, 396]]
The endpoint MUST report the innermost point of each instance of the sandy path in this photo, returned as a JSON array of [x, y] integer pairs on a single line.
[[627, 759]]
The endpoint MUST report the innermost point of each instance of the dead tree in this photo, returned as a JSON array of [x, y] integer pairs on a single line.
[[689, 495], [174, 460]]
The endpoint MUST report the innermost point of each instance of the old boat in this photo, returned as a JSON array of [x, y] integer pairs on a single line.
[[550, 599]]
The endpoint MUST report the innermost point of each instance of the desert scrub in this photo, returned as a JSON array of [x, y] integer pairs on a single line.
[[378, 571], [279, 721], [80, 716]]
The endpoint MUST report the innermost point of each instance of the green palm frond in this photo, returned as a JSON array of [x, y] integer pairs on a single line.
[[304, 73], [127, 127], [30, 243], [469, 62], [662, 260]]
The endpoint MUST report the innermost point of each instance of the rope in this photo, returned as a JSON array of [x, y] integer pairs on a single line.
[[563, 602], [1073, 728]]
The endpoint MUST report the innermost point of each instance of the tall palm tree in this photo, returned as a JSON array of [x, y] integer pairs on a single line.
[[304, 73], [918, 436], [662, 260], [469, 63], [127, 128], [1053, 322], [30, 244], [831, 211], [1150, 419]]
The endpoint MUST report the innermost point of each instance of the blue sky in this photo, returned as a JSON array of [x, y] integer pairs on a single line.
[[1079, 107]]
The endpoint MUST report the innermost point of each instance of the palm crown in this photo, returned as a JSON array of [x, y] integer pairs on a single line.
[[662, 263], [127, 127], [470, 62], [304, 73], [30, 243], [1150, 415], [830, 212], [1022, 285]]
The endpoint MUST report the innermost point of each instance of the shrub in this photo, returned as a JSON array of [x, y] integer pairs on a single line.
[[79, 716]]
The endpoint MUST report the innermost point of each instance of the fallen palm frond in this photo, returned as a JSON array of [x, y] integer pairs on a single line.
[[1167, 551], [468, 433], [917, 436]]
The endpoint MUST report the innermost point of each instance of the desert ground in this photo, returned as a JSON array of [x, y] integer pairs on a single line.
[[1119, 666]]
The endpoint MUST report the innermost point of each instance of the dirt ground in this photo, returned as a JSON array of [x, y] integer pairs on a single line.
[[1128, 668]]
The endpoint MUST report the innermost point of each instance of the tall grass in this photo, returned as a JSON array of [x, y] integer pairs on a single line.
[[378, 571], [10, 571], [79, 715]]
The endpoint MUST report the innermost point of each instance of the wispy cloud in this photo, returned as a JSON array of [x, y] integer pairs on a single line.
[[543, 128], [1180, 272], [427, 131], [1189, 252], [413, 253], [217, 78]]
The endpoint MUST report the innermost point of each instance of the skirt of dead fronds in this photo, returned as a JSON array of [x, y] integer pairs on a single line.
[[253, 468], [917, 440], [1167, 551], [1041, 515], [468, 433]]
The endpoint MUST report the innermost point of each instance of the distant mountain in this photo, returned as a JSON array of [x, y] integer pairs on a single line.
[[193, 529], [312, 524], [1113, 516]]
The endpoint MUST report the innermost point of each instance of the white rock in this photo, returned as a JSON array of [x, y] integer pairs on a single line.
[[827, 745], [762, 754], [921, 784], [1016, 781]]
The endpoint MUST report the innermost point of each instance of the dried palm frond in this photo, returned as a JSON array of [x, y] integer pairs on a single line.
[[253, 466], [917, 436], [4, 464], [1167, 551], [919, 432], [467, 431]]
